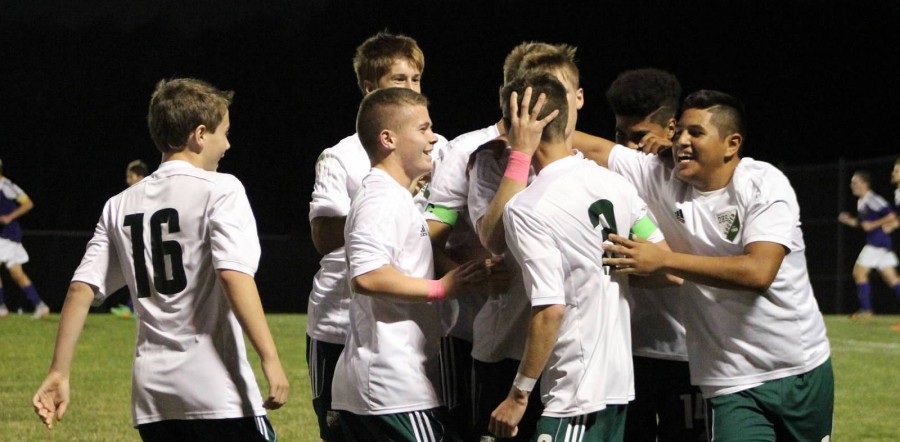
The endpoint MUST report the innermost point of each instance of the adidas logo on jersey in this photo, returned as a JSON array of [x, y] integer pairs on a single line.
[[423, 232], [679, 215]]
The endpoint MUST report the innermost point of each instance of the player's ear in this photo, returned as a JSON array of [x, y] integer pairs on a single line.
[[670, 129], [733, 144], [197, 139], [369, 87], [579, 98], [388, 140]]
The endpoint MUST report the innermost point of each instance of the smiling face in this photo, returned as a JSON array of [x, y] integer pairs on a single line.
[[704, 157], [403, 73], [215, 143], [413, 139]]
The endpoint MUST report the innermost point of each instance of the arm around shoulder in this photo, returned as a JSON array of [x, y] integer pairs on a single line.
[[594, 148]]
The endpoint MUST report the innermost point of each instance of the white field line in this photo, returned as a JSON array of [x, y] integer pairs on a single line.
[[864, 346]]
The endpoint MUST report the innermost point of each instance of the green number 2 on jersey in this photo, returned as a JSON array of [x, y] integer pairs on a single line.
[[601, 213]]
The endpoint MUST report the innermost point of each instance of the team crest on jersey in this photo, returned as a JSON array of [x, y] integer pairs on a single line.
[[729, 224], [679, 215]]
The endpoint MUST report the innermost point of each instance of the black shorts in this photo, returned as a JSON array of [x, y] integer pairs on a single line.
[[321, 358], [241, 429], [666, 406], [456, 382]]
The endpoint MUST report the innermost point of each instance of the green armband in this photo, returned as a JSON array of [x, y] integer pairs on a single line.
[[643, 228], [447, 216]]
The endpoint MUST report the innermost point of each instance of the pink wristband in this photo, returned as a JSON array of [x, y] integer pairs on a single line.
[[518, 166], [436, 290]]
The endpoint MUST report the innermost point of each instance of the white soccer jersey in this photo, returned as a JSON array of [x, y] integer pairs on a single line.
[[447, 200], [339, 173], [166, 237], [736, 337], [390, 360], [501, 326], [555, 229]]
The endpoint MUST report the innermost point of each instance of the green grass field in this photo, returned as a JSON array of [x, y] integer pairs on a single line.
[[866, 357]]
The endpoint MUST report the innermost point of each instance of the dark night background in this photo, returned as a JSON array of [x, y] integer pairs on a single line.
[[819, 79]]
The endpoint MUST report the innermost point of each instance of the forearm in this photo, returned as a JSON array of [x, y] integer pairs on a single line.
[[388, 282], [24, 207], [71, 323], [878, 223], [244, 298], [490, 226], [439, 232], [542, 334], [327, 233], [593, 147], [743, 272]]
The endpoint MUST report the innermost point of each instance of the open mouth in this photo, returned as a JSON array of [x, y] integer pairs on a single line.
[[683, 157]]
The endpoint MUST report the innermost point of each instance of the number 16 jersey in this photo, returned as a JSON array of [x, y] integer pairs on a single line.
[[166, 237]]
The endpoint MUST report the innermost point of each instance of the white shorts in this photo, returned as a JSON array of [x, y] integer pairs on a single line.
[[872, 257], [12, 253]]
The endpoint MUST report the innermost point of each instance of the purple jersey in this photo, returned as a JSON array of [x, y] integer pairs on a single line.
[[872, 207], [9, 194]]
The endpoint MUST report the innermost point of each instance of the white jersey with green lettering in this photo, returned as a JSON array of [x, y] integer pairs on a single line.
[[736, 338], [555, 228]]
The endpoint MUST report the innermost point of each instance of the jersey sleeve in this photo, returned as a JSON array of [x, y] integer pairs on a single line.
[[484, 180], [13, 192], [100, 266], [329, 196], [232, 229], [635, 166], [372, 235], [770, 215], [644, 226], [878, 205], [537, 254], [449, 189]]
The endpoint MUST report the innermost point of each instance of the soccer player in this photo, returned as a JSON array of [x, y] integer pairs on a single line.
[[665, 406], [384, 60], [387, 379], [502, 324], [134, 172], [453, 236], [874, 214], [184, 241], [14, 203], [756, 339], [578, 333]]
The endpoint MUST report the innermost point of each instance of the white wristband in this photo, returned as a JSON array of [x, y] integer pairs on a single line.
[[524, 383]]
